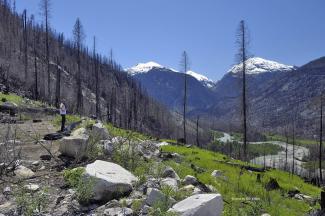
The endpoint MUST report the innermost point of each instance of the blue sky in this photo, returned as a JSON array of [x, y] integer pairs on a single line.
[[288, 31]]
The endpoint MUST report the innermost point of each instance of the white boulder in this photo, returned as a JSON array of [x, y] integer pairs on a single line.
[[111, 180], [198, 205], [76, 144]]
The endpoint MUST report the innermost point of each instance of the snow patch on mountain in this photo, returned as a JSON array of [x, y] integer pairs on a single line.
[[146, 67], [205, 80], [143, 68], [257, 65]]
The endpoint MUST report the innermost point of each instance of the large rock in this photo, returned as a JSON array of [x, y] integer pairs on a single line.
[[111, 180], [76, 144], [99, 131], [23, 172], [200, 204]]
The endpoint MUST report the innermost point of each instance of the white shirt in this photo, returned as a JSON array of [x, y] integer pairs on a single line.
[[63, 110]]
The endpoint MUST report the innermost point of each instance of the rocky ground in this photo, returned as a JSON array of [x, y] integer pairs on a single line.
[[86, 174]]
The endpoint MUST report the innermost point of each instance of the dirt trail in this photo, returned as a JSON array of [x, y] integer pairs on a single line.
[[27, 134]]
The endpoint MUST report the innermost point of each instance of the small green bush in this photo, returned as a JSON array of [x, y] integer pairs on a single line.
[[29, 203], [82, 184], [73, 176], [84, 190]]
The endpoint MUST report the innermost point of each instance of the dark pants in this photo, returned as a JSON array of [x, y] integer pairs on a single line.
[[62, 123]]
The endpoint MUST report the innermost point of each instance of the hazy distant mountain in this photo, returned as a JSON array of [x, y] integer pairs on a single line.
[[167, 85]]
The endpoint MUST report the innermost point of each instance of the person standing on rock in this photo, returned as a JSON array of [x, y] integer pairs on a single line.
[[63, 112]]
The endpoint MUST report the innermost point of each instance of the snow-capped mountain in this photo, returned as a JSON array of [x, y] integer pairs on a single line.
[[257, 65], [203, 79], [146, 67], [166, 85], [143, 68]]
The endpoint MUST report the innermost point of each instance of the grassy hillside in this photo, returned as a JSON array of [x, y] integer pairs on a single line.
[[242, 194]]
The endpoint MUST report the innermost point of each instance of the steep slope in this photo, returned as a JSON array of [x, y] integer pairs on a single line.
[[167, 86], [276, 99], [23, 70]]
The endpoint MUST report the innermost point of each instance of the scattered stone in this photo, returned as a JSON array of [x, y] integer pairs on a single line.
[[171, 182], [42, 168], [190, 180], [188, 188], [265, 214], [111, 180], [272, 185], [35, 163], [7, 190], [23, 172], [100, 132], [32, 187], [197, 191], [118, 212], [200, 204], [108, 147], [216, 173], [153, 196], [170, 173], [145, 210], [113, 204], [293, 192]]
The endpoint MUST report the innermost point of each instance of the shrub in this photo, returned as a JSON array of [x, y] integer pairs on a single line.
[[73, 176], [82, 184], [29, 203], [84, 190], [94, 149]]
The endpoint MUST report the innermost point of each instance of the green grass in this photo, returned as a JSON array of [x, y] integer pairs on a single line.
[[237, 187], [114, 131], [11, 98], [298, 141], [20, 101]]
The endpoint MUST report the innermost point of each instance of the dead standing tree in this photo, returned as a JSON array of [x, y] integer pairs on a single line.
[[79, 36], [45, 11], [185, 68], [242, 41]]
